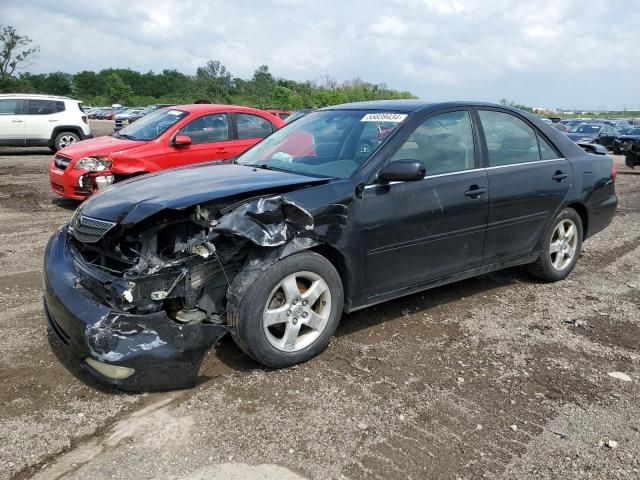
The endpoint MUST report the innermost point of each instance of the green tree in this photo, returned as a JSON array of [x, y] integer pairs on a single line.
[[89, 84], [117, 90], [59, 83], [14, 50], [212, 82]]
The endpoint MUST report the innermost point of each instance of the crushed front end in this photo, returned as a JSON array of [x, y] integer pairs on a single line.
[[141, 304]]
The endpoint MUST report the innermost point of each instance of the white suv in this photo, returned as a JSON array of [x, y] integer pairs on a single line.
[[28, 120]]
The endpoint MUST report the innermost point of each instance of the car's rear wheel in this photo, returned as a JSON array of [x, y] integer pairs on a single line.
[[64, 139], [562, 247], [288, 315]]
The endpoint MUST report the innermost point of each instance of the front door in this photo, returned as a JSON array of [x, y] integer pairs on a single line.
[[414, 232], [12, 122], [527, 184], [210, 140]]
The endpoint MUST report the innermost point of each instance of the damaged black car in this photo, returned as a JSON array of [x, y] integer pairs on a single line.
[[306, 226]]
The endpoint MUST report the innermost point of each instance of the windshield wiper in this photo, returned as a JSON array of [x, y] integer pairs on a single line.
[[128, 137]]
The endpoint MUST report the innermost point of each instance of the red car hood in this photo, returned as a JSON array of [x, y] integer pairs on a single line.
[[99, 146]]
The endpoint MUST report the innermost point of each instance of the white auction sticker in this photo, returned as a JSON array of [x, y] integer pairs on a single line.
[[384, 117]]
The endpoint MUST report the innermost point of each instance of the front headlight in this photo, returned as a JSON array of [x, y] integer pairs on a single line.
[[93, 164]]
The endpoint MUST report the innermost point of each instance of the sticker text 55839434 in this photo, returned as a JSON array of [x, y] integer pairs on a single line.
[[384, 117]]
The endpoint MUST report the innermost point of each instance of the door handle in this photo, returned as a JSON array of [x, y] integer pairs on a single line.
[[17, 121], [222, 150], [475, 191], [560, 176], [53, 120]]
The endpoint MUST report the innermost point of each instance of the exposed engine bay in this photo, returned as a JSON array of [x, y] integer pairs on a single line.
[[182, 262]]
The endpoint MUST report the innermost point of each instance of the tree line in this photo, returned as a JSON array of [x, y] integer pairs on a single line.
[[211, 82]]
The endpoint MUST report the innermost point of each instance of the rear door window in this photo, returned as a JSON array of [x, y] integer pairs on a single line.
[[547, 152], [509, 139], [252, 126], [42, 107]]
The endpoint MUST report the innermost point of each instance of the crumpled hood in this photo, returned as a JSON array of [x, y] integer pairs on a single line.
[[99, 146], [130, 202]]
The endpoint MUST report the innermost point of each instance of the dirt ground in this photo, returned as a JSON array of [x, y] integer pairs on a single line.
[[494, 377]]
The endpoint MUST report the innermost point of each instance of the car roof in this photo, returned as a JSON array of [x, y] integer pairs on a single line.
[[34, 96], [212, 107], [413, 105]]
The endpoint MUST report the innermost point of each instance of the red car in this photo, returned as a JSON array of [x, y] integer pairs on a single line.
[[168, 137], [281, 114]]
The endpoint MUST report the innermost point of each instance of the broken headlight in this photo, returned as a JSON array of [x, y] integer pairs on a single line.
[[93, 164]]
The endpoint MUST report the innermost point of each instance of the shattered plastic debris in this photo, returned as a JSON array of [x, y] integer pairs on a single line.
[[620, 376]]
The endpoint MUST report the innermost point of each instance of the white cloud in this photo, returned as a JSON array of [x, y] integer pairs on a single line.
[[546, 52], [392, 26]]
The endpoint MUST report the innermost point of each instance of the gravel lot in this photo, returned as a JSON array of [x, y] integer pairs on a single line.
[[496, 377]]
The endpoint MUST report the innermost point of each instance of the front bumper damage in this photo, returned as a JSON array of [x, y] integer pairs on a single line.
[[150, 325], [163, 353]]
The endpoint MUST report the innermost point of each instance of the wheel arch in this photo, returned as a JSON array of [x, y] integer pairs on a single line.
[[584, 217], [337, 259], [58, 129]]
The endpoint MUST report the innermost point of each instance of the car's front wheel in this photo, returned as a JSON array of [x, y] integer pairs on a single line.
[[64, 139], [288, 315], [562, 247]]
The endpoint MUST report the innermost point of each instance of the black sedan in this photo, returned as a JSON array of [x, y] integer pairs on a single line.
[[623, 143], [599, 133], [306, 226]]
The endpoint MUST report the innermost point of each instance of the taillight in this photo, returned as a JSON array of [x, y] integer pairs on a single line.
[[614, 172], [84, 118]]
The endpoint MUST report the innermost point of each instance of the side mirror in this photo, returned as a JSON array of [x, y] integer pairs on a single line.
[[182, 141], [402, 171]]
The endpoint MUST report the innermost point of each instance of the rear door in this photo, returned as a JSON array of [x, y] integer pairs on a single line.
[[42, 118], [210, 140], [528, 181], [250, 129], [12, 122]]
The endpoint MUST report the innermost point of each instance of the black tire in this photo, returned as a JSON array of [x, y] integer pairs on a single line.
[[543, 268], [246, 319], [61, 140]]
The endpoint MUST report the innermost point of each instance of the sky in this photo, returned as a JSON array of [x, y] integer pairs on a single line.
[[573, 54]]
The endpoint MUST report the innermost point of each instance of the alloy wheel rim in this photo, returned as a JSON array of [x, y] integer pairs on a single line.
[[297, 311], [66, 140], [564, 243]]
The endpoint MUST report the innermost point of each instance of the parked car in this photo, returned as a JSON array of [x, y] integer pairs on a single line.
[[121, 122], [632, 155], [594, 133], [281, 114], [561, 127], [124, 118], [275, 246], [167, 138], [28, 120], [592, 148], [624, 142], [103, 113]]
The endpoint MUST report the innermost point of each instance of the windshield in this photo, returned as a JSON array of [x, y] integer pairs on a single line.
[[586, 129], [152, 125], [326, 143], [633, 131]]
